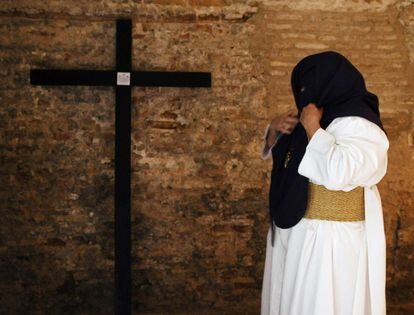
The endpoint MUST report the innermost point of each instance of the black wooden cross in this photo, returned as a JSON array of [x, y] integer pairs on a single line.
[[123, 78]]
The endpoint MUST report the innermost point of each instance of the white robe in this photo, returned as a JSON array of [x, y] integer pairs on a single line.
[[322, 267]]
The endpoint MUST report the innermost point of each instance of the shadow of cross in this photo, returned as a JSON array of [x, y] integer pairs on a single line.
[[123, 78]]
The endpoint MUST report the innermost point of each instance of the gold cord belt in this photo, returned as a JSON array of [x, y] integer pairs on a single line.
[[335, 205]]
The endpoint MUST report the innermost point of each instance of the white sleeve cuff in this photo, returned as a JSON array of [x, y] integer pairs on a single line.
[[266, 151], [321, 141]]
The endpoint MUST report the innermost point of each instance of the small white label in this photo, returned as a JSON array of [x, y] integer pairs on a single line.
[[123, 78]]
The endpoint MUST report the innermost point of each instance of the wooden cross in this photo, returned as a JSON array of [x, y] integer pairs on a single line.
[[123, 78]]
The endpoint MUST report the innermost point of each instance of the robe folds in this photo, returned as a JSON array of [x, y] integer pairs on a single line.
[[323, 267]]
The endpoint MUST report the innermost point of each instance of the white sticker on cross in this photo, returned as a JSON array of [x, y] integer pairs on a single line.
[[123, 78]]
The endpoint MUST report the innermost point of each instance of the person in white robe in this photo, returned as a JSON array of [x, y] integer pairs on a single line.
[[323, 267]]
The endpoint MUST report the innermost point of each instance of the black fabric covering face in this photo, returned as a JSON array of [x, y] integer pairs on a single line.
[[329, 80]]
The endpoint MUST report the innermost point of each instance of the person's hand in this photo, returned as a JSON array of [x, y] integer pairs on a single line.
[[310, 118], [285, 122]]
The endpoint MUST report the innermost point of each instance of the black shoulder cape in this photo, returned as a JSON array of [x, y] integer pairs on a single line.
[[330, 80]]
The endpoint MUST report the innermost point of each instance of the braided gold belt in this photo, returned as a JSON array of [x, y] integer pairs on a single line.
[[335, 205]]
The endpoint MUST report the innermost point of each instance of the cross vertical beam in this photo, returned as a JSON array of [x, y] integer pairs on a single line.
[[123, 171]]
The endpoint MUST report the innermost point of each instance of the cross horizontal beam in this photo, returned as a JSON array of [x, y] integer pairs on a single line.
[[109, 78]]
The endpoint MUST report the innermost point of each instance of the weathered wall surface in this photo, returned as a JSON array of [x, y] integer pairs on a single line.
[[199, 185]]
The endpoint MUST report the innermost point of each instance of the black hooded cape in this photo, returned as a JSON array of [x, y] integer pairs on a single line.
[[330, 80]]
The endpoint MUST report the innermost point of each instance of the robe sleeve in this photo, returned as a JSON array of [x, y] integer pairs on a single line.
[[353, 154], [266, 150]]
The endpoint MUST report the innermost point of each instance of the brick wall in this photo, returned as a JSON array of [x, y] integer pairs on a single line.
[[199, 215]]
